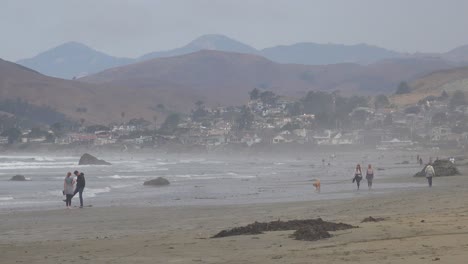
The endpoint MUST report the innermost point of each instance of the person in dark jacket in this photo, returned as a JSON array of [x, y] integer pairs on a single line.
[[80, 185], [357, 176]]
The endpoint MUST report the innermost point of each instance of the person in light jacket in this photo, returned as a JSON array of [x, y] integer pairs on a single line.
[[430, 172], [69, 188]]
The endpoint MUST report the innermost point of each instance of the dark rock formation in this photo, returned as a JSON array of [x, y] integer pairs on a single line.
[[372, 219], [309, 229], [88, 159], [442, 168], [310, 234], [18, 178], [160, 181]]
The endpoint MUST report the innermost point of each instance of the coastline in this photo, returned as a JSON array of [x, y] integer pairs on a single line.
[[182, 234]]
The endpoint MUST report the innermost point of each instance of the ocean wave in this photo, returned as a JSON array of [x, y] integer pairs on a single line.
[[120, 177], [90, 192], [7, 198]]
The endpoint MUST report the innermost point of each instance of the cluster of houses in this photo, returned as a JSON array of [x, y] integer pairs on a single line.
[[385, 128]]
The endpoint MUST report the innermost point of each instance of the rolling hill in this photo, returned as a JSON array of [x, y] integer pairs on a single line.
[[104, 104], [435, 83], [322, 54], [205, 42], [72, 59], [76, 60], [226, 78]]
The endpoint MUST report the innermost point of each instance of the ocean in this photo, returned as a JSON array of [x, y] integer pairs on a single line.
[[213, 180]]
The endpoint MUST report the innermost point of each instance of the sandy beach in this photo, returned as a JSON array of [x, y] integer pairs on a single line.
[[420, 226]]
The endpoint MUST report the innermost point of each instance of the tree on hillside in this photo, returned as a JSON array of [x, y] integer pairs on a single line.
[[141, 123], [13, 135], [36, 132], [439, 119], [254, 94], [381, 101], [403, 88], [268, 98], [444, 95], [161, 107], [200, 112], [458, 99], [295, 109], [199, 104], [169, 126], [412, 109], [95, 128], [245, 120]]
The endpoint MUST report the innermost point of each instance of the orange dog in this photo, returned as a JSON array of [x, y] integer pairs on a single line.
[[317, 185]]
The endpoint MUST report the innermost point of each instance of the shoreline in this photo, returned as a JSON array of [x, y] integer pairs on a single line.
[[426, 224]]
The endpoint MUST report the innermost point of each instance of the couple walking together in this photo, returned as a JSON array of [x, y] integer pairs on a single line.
[[69, 188], [358, 176]]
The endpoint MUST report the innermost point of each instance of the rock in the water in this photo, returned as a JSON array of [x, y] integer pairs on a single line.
[[442, 168], [160, 181], [88, 159], [18, 178]]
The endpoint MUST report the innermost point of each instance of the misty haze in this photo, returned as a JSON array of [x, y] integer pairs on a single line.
[[233, 131]]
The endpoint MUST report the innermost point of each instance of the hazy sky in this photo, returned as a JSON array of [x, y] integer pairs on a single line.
[[134, 27]]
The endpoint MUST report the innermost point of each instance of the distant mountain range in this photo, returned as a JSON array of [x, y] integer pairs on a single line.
[[71, 60], [75, 60], [215, 77]]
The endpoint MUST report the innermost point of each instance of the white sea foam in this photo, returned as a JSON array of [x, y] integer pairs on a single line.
[[89, 192], [7, 198], [121, 177]]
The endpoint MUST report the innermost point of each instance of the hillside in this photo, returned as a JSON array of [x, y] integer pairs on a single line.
[[434, 83], [77, 60], [226, 78], [321, 54], [103, 103], [457, 54], [205, 42], [72, 59]]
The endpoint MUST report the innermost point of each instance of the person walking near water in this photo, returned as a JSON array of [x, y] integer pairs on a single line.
[[80, 185], [69, 188], [357, 176], [369, 176], [430, 172]]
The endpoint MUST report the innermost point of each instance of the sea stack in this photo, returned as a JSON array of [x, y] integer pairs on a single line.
[[160, 181], [88, 159], [18, 178]]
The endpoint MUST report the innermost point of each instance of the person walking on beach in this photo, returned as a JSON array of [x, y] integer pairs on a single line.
[[80, 185], [68, 188], [430, 172], [420, 161], [357, 176], [369, 176]]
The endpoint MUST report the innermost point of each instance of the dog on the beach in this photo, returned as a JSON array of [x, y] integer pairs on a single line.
[[316, 184]]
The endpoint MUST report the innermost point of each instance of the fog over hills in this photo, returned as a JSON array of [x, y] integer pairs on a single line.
[[320, 54], [226, 77], [75, 59], [205, 42], [72, 59]]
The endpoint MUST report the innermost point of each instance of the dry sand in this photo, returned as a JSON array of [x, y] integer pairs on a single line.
[[422, 226]]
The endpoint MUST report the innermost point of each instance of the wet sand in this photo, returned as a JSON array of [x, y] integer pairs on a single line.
[[421, 226]]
